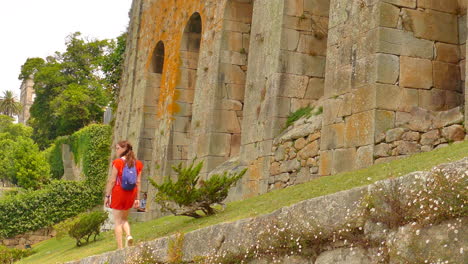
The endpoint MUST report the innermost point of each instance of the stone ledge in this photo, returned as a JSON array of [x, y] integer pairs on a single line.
[[332, 210]]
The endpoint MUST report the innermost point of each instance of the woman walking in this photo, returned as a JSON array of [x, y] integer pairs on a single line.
[[121, 193]]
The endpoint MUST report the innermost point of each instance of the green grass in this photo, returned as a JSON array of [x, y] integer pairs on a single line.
[[54, 251]]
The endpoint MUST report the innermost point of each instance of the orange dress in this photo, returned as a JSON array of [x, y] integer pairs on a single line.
[[122, 199]]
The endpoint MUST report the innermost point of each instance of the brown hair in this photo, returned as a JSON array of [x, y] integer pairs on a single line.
[[130, 158]]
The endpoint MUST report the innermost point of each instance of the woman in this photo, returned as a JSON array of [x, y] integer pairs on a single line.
[[120, 200]]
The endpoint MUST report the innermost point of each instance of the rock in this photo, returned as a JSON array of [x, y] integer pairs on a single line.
[[450, 117], [405, 148], [442, 146], [280, 153], [454, 133], [420, 119], [284, 177], [415, 73], [430, 137], [394, 134], [311, 162], [300, 143], [275, 168], [344, 256], [426, 148], [411, 136], [313, 137], [382, 150], [311, 150], [380, 138], [290, 165]]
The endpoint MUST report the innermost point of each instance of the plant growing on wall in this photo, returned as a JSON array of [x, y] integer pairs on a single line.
[[189, 194]]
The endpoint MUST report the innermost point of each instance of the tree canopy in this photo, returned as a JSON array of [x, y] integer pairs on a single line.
[[9, 104], [73, 87]]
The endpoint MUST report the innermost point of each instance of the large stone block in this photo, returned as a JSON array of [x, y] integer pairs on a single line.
[[359, 130], [302, 64], [326, 158], [310, 44], [317, 7], [293, 85], [447, 52], [403, 99], [432, 99], [290, 39], [364, 98], [433, 25], [402, 3], [415, 73], [454, 133], [446, 76], [388, 68], [448, 6], [311, 150], [333, 136], [400, 42], [315, 88], [384, 120], [389, 15], [365, 157], [344, 160], [294, 7]]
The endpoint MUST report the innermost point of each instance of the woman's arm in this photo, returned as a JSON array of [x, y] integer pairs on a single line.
[[136, 204], [110, 184]]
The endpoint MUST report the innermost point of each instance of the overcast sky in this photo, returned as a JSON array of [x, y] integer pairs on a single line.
[[38, 28]]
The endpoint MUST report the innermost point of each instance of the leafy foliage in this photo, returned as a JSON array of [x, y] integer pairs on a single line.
[[53, 154], [303, 112], [22, 164], [189, 194], [10, 255], [45, 207], [112, 66], [91, 148], [88, 224], [9, 104], [72, 88]]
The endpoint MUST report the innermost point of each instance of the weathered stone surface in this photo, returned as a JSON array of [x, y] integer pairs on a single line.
[[415, 73], [448, 6], [300, 143], [450, 117], [447, 52], [302, 64], [434, 25], [275, 168], [293, 85], [405, 148], [446, 76], [344, 256], [290, 165], [400, 42], [389, 15], [388, 68], [302, 131], [360, 129], [311, 150], [364, 157], [315, 88], [402, 3], [454, 133], [430, 137], [344, 160], [411, 136], [383, 150], [394, 134]]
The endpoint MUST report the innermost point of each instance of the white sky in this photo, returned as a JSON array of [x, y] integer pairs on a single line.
[[38, 28]]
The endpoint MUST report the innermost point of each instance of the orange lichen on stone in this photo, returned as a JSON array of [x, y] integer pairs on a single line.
[[165, 20]]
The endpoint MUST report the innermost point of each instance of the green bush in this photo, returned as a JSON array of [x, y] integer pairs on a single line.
[[88, 224], [32, 210], [10, 255], [189, 194]]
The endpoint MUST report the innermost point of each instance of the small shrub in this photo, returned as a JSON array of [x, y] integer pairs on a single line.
[[189, 194], [293, 117], [88, 224], [10, 255], [175, 249]]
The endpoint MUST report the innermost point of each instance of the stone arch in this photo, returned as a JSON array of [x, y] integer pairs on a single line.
[[229, 105], [185, 88], [150, 122]]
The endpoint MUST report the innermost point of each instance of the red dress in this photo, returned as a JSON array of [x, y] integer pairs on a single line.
[[122, 199]]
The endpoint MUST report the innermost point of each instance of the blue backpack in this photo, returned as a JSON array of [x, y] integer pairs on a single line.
[[129, 177]]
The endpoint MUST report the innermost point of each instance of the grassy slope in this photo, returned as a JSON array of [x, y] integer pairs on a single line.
[[54, 251]]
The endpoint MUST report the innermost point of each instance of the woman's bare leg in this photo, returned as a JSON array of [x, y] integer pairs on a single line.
[[118, 227], [125, 224]]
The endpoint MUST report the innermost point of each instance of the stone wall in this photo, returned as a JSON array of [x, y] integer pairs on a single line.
[[29, 238], [217, 80], [447, 239]]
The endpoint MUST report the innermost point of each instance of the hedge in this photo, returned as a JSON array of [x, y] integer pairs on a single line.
[[33, 210]]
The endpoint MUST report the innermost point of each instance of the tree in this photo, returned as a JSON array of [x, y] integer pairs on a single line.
[[112, 66], [71, 88], [21, 163], [190, 194], [9, 105]]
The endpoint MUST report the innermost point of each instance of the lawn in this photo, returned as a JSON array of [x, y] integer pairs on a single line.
[[58, 251]]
